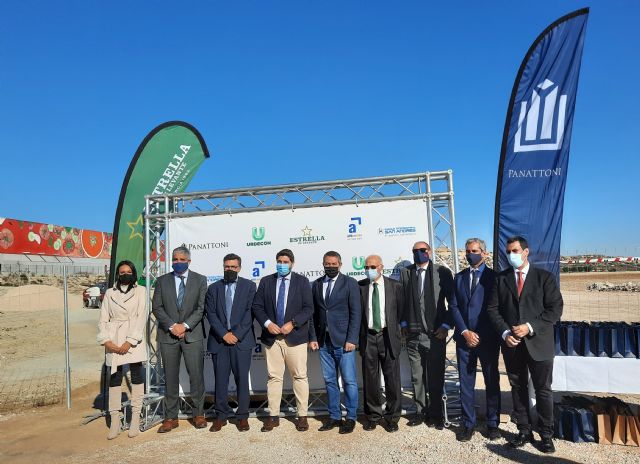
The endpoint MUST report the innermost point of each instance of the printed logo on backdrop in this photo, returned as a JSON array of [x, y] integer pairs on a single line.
[[396, 231], [354, 229], [206, 245], [256, 272], [257, 236], [357, 263], [213, 278], [543, 119], [307, 237]]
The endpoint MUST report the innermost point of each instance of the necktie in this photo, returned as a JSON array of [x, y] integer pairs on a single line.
[[228, 302], [327, 293], [474, 279], [280, 304], [181, 293], [520, 283], [375, 307], [420, 282]]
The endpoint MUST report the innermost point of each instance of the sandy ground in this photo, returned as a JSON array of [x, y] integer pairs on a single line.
[[32, 366]]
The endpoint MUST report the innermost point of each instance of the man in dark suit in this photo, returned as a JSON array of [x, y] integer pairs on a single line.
[[178, 305], [334, 331], [476, 339], [524, 306], [380, 345], [283, 306], [231, 339], [425, 322]]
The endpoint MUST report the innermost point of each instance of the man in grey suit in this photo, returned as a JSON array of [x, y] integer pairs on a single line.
[[426, 321], [178, 305]]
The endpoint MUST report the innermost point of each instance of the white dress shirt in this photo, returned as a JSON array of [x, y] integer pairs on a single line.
[[380, 283], [523, 275]]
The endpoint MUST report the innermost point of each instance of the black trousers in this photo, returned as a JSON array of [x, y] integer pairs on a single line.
[[230, 359], [193, 354], [136, 375], [377, 357], [519, 364]]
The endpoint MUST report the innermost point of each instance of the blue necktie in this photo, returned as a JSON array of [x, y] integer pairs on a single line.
[[474, 279], [228, 301], [327, 294], [280, 304], [181, 292]]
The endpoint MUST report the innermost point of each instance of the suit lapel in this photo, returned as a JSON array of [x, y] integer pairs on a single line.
[[466, 281], [290, 294], [388, 297], [171, 280], [511, 283]]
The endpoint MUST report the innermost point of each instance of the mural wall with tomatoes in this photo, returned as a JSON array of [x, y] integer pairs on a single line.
[[18, 237]]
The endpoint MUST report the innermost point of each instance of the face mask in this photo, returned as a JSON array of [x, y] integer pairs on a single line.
[[515, 259], [473, 258], [420, 257], [283, 269], [372, 274], [180, 268], [230, 275], [126, 279], [331, 272]]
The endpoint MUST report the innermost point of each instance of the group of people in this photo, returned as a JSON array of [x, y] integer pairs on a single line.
[[337, 315]]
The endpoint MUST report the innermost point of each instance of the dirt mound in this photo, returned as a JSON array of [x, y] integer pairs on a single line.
[[36, 298]]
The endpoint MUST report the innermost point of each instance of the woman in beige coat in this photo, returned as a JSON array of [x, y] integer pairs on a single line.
[[123, 319]]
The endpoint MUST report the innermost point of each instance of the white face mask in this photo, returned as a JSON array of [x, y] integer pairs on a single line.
[[515, 259]]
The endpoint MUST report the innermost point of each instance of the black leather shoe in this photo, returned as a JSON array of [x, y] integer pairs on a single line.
[[415, 420], [466, 434], [546, 446], [330, 425], [391, 426], [493, 433], [347, 426], [370, 425], [522, 439], [439, 424]]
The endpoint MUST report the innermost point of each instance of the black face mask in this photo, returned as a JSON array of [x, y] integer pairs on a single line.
[[230, 275], [331, 272], [126, 279], [473, 258]]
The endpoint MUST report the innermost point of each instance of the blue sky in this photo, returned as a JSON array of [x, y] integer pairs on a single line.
[[298, 91]]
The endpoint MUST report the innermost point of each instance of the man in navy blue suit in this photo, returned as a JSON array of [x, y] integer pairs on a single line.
[[283, 306], [231, 339], [334, 331], [476, 338]]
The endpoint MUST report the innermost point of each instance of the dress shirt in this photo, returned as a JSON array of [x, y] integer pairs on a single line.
[[177, 282], [325, 282], [479, 272], [287, 284], [523, 275], [383, 322]]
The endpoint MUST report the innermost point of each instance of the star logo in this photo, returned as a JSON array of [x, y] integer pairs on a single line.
[[399, 260], [136, 228], [306, 232]]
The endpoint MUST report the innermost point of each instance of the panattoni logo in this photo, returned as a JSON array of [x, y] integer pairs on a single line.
[[543, 120]]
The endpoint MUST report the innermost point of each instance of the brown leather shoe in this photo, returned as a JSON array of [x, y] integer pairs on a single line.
[[168, 425], [200, 422], [302, 425], [242, 425], [270, 423], [217, 425]]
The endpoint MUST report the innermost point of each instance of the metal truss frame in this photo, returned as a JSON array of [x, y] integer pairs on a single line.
[[434, 188]]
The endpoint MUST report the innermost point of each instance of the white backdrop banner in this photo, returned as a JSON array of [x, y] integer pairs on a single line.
[[387, 228]]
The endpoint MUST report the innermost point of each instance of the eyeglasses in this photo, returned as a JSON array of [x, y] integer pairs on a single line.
[[424, 250], [371, 267]]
